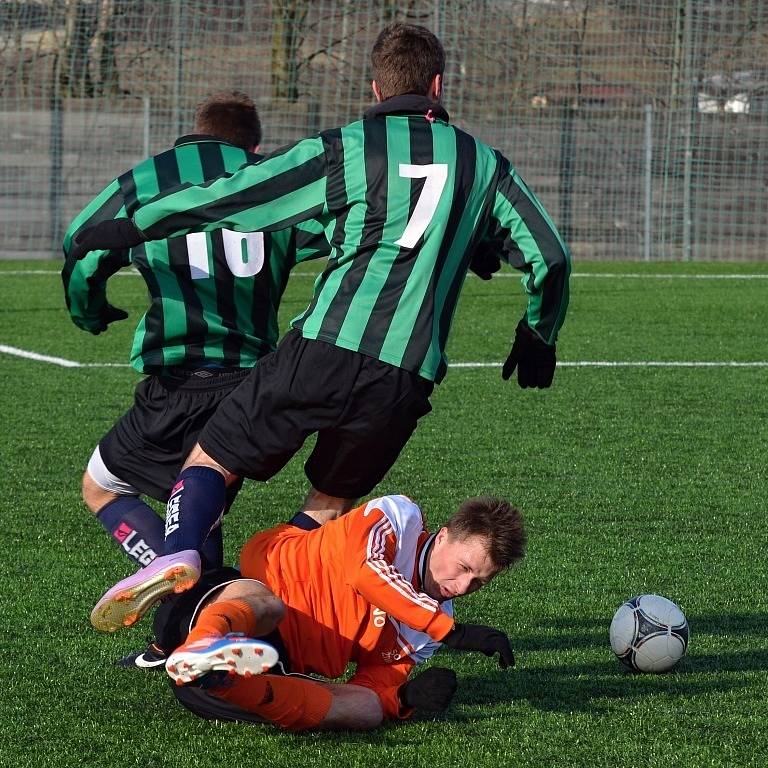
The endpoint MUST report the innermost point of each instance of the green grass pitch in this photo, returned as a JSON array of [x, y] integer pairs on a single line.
[[632, 479]]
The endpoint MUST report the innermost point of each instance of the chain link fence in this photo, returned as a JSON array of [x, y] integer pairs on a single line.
[[642, 126]]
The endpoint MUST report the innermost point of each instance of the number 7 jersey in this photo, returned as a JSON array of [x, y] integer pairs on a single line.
[[405, 199], [213, 296]]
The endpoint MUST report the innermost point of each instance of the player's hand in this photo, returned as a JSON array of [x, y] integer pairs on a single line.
[[108, 315], [115, 234], [487, 640], [484, 263], [431, 691], [534, 359]]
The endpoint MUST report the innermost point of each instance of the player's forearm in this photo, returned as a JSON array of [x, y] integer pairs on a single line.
[[85, 286], [276, 193], [82, 298], [534, 246], [85, 280], [547, 306], [353, 707], [389, 591], [108, 204]]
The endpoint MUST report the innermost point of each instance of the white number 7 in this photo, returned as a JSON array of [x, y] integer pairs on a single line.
[[436, 175]]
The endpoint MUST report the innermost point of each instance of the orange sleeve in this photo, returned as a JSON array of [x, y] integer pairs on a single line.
[[385, 681], [371, 547]]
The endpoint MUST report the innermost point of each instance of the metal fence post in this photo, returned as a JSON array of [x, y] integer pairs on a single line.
[[145, 101], [689, 105], [55, 150], [648, 111], [178, 68]]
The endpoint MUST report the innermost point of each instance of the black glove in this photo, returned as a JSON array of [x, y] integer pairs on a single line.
[[106, 236], [431, 690], [535, 359], [487, 640], [108, 314], [484, 263]]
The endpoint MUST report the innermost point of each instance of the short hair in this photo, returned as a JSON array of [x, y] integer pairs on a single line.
[[405, 58], [230, 116], [495, 520]]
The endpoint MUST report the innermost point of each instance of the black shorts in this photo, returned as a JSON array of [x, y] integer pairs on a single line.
[[149, 444], [362, 409], [172, 622]]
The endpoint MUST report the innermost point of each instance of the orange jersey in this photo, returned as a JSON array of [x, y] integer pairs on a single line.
[[352, 593]]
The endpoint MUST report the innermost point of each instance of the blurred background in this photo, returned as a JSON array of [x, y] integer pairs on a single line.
[[642, 126]]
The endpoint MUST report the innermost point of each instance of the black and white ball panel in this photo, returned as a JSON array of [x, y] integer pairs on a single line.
[[649, 633]]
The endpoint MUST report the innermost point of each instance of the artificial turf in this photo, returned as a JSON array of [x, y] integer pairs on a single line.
[[632, 480]]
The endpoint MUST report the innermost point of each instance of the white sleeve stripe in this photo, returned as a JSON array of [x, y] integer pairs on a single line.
[[377, 539], [406, 646], [394, 579], [387, 572], [419, 647], [374, 559]]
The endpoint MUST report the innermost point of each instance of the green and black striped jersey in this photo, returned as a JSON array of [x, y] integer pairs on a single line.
[[405, 199], [213, 296]]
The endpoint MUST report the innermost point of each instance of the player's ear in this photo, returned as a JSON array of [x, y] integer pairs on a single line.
[[436, 88], [376, 91], [254, 149]]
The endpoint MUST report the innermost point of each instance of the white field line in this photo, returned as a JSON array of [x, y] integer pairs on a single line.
[[636, 364], [607, 275], [64, 363], [61, 361]]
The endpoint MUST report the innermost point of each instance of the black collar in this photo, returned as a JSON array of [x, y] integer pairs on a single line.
[[408, 104], [194, 137], [423, 559]]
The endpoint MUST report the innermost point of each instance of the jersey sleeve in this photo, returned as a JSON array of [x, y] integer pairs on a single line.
[[385, 681], [304, 242], [381, 543], [284, 189], [85, 281], [311, 241], [522, 233]]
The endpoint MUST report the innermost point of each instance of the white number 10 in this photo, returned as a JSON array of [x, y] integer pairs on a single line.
[[436, 175], [241, 263]]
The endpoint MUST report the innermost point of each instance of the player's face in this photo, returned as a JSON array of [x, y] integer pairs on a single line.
[[457, 566]]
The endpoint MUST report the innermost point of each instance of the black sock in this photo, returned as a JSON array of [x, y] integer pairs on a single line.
[[304, 521], [137, 528], [212, 553], [195, 506]]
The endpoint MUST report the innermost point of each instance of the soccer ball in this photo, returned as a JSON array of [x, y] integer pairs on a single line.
[[649, 634]]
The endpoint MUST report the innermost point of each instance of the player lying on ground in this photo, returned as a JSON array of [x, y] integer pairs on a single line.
[[406, 199], [373, 588], [212, 316]]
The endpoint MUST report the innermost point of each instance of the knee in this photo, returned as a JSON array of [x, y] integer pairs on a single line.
[[272, 609], [199, 458], [94, 496], [323, 508], [267, 607]]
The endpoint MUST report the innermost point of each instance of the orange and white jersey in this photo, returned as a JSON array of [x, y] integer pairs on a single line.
[[352, 590]]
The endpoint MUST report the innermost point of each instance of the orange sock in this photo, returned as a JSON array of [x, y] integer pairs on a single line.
[[225, 616], [292, 703]]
